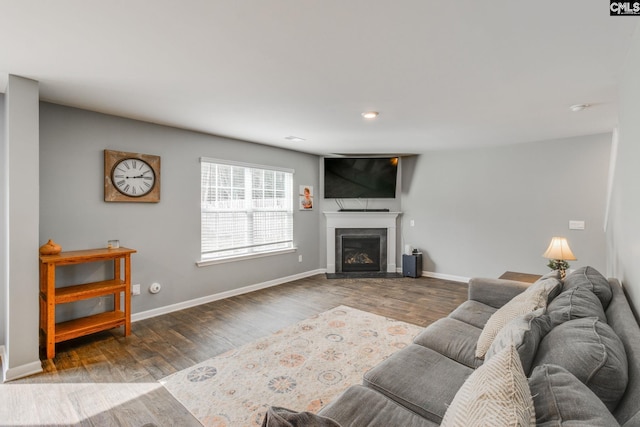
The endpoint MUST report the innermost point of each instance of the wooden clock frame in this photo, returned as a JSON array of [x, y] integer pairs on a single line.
[[111, 193]]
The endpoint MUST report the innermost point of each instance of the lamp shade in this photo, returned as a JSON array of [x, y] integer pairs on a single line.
[[559, 249]]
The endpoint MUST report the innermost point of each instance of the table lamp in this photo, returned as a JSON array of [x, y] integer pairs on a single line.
[[559, 253]]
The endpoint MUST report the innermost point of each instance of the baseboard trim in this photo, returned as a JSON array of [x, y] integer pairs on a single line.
[[222, 295], [442, 276], [10, 374], [446, 276]]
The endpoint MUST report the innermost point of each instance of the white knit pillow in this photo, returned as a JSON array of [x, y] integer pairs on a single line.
[[533, 298], [495, 394]]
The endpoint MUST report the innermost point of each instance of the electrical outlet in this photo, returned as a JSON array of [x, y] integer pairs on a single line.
[[299, 258], [135, 290], [412, 223]]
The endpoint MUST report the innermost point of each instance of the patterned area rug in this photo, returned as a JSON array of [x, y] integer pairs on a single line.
[[302, 367]]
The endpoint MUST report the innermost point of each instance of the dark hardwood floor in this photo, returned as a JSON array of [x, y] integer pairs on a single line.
[[165, 344]]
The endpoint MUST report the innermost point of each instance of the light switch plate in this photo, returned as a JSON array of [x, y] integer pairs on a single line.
[[576, 225]]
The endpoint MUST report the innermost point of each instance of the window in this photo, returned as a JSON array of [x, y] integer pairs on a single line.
[[245, 209]]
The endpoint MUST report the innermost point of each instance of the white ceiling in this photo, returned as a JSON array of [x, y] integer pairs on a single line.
[[442, 74]]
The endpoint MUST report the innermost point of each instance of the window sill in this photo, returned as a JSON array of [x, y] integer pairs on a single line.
[[208, 262]]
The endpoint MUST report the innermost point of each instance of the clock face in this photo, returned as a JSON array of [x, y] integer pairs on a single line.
[[133, 177]]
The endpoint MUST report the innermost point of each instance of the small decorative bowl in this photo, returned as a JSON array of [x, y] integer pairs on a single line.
[[50, 248]]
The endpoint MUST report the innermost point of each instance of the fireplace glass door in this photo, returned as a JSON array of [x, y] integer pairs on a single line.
[[360, 253]]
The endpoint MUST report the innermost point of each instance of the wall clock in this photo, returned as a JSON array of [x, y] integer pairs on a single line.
[[131, 177]]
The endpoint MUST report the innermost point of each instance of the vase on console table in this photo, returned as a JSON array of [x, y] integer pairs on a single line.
[[50, 248]]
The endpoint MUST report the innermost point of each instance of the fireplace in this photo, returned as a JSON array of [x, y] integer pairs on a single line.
[[361, 250], [360, 253], [368, 223]]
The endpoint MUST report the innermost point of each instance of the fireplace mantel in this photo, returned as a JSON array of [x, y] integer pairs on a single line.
[[370, 219]]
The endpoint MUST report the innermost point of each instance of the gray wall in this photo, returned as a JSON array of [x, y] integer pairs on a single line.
[[166, 235], [623, 228], [3, 243], [484, 211]]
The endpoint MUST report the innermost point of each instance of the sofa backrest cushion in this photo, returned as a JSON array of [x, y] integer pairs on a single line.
[[624, 323], [575, 303], [561, 399], [535, 296], [591, 279], [592, 352], [525, 333]]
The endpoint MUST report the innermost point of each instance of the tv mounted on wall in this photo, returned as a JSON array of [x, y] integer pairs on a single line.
[[360, 177]]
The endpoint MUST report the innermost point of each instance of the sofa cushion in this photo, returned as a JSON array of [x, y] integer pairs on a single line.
[[362, 406], [534, 297], [420, 379], [590, 278], [622, 320], [452, 338], [496, 394], [561, 399], [525, 333], [575, 303], [591, 351], [473, 312]]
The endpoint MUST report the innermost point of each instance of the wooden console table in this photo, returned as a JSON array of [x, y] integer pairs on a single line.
[[50, 295], [522, 277]]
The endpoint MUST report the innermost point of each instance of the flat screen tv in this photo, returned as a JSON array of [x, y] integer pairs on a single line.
[[360, 177]]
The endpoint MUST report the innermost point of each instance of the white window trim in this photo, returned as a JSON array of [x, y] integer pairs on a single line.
[[207, 262], [246, 165]]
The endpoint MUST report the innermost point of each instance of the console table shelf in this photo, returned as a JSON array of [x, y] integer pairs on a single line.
[[88, 325], [50, 295]]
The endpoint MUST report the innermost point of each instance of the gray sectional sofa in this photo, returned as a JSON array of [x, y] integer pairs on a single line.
[[580, 354]]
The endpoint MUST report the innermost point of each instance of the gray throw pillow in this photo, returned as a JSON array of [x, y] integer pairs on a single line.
[[534, 297], [575, 303], [591, 279], [283, 417], [561, 399], [592, 352], [553, 274], [524, 332]]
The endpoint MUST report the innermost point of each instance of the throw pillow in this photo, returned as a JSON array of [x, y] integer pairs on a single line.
[[534, 297], [496, 394], [282, 417], [575, 303], [525, 333], [592, 352], [555, 274], [561, 399], [591, 279]]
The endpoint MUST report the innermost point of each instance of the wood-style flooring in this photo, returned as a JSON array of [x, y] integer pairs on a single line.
[[165, 344]]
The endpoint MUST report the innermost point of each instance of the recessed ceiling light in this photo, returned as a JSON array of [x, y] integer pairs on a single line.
[[578, 107], [370, 114], [294, 138]]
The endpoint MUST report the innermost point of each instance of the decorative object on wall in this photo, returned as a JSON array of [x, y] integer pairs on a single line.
[[559, 253], [131, 177], [50, 248], [306, 198]]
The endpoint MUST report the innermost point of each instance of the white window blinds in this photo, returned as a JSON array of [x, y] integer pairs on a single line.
[[245, 209]]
